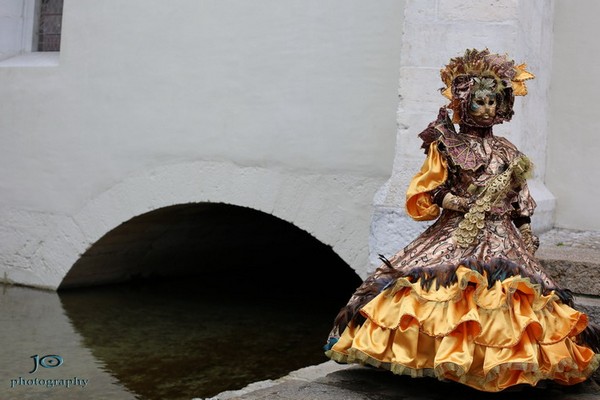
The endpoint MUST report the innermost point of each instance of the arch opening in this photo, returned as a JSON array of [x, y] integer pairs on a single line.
[[217, 242], [219, 294]]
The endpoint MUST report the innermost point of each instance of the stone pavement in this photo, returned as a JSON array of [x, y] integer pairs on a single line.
[[330, 381], [572, 257], [571, 239]]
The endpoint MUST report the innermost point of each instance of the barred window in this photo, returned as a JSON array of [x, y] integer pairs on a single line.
[[49, 25]]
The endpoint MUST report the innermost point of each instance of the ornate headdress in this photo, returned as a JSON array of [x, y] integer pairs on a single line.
[[483, 71]]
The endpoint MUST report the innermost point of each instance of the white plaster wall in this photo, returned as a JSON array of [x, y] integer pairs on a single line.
[[16, 27], [303, 91], [11, 27], [434, 32], [573, 144]]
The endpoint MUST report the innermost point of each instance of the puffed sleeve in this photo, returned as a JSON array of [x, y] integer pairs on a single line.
[[420, 204]]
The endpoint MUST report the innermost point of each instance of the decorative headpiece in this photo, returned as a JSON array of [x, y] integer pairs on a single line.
[[482, 71]]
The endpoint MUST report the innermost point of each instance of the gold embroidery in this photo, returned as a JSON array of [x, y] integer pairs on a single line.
[[494, 190]]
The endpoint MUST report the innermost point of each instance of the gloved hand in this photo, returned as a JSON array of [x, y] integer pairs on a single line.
[[531, 241], [456, 203]]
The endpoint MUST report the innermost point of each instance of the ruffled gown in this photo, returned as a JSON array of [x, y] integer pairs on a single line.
[[466, 301]]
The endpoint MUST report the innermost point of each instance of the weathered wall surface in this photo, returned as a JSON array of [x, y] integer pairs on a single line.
[[287, 107]]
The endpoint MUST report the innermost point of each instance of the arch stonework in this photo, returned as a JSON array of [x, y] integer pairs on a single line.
[[330, 207]]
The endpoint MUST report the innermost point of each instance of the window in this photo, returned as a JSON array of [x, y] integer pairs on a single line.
[[30, 32], [48, 25]]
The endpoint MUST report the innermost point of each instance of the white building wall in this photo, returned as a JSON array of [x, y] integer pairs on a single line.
[[573, 144], [284, 106], [299, 96]]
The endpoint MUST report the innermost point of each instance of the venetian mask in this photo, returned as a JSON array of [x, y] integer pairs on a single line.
[[482, 109]]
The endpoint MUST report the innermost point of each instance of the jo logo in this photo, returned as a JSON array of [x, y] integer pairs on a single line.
[[48, 361]]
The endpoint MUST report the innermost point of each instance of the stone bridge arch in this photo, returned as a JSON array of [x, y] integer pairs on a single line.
[[330, 207]]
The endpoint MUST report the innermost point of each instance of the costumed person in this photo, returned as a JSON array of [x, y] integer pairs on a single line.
[[467, 300]]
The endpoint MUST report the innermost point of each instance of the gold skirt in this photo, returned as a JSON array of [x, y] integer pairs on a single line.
[[487, 338]]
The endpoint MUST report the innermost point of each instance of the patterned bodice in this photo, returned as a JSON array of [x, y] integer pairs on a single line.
[[474, 158]]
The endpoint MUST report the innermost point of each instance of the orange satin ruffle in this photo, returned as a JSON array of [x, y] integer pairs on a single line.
[[488, 339], [434, 172]]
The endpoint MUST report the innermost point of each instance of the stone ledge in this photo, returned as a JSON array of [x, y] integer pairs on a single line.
[[577, 269], [590, 306], [572, 258]]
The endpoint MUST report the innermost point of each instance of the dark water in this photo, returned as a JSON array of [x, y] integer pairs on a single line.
[[177, 340], [170, 339]]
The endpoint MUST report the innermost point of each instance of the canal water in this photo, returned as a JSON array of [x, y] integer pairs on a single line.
[[154, 340]]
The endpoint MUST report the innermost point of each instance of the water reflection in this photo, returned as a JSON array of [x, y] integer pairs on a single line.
[[170, 339], [34, 322], [176, 340]]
